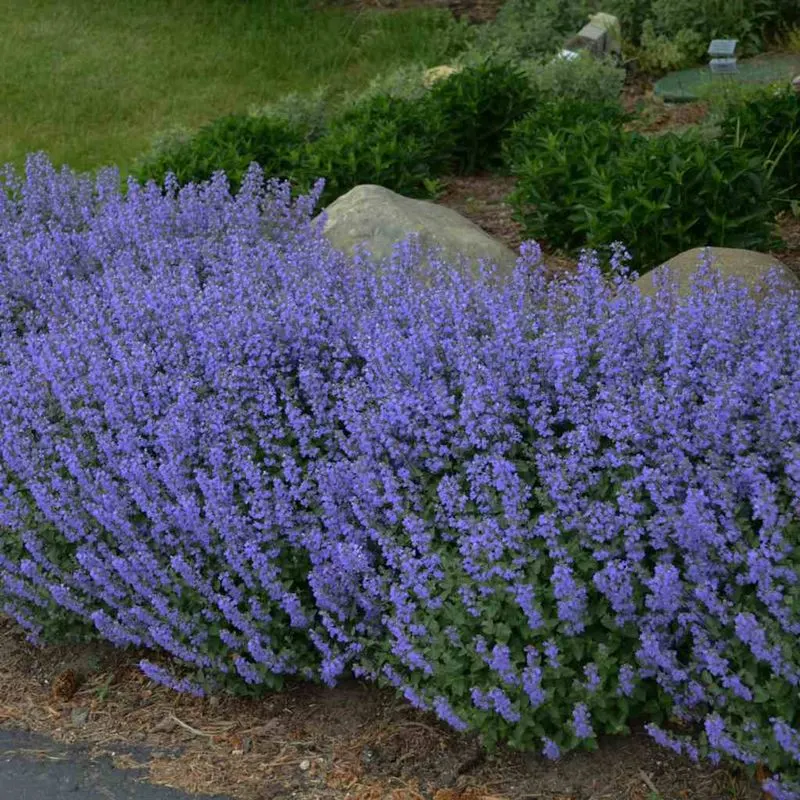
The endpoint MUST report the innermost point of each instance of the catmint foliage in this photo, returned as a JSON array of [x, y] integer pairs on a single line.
[[537, 508]]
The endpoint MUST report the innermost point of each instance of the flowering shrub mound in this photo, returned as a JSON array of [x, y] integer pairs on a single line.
[[538, 509]]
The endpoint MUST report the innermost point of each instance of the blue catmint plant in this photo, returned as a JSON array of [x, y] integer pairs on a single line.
[[538, 509]]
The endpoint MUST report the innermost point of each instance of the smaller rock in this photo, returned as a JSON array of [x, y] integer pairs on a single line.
[[305, 765], [600, 36], [748, 265], [796, 84], [439, 73], [79, 716], [167, 725]]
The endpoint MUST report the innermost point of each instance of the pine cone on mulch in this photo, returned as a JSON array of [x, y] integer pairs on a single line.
[[65, 685]]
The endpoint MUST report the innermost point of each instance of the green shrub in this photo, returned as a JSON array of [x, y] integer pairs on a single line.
[[791, 40], [749, 21], [404, 82], [544, 141], [668, 193], [768, 121], [551, 155], [480, 104], [593, 183], [230, 143], [631, 15], [396, 143], [533, 28], [585, 78], [310, 112], [400, 142], [404, 143], [660, 53]]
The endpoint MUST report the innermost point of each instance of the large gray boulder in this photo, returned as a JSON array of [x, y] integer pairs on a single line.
[[749, 265], [380, 218]]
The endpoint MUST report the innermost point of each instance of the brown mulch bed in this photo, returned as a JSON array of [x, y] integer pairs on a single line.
[[353, 742], [656, 116]]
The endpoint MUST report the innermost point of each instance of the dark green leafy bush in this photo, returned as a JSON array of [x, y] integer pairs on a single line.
[[668, 193], [391, 141], [404, 142], [230, 143], [631, 15], [594, 183], [400, 142], [480, 104], [769, 123], [660, 53], [551, 151], [553, 116], [749, 21]]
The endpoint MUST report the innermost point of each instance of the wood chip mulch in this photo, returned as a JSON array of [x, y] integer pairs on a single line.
[[308, 742]]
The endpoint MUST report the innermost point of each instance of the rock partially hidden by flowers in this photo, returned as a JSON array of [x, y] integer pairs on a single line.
[[748, 265], [381, 219]]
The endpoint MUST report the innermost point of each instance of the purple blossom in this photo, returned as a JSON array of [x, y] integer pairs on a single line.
[[500, 662], [551, 750], [552, 653], [446, 714], [571, 598], [582, 721], [532, 679], [787, 737], [503, 705], [160, 675], [593, 679], [627, 677]]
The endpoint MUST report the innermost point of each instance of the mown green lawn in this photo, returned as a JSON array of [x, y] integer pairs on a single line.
[[92, 81]]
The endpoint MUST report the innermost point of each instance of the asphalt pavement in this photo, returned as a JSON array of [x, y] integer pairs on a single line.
[[33, 767]]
